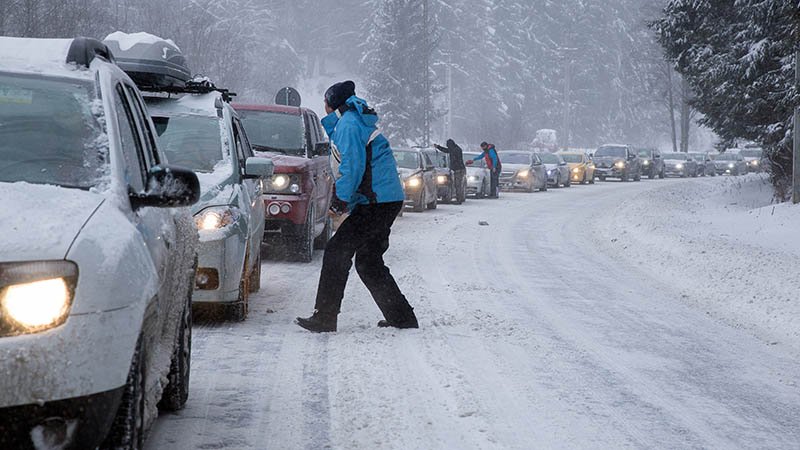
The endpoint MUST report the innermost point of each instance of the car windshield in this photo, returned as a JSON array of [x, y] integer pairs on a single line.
[[407, 160], [698, 156], [752, 153], [48, 132], [516, 158], [572, 157], [193, 142], [646, 153], [471, 156], [726, 157], [674, 156], [275, 132], [439, 159], [609, 150], [549, 158]]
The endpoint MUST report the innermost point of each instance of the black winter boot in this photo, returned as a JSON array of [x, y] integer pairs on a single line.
[[318, 322], [410, 322]]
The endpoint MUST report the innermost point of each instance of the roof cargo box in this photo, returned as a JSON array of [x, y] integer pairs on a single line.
[[154, 64]]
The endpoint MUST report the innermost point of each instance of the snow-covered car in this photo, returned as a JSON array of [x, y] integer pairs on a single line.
[[97, 254], [445, 187], [419, 178], [478, 176], [198, 128], [705, 165], [522, 170], [754, 157], [581, 168], [298, 195], [652, 163], [730, 163], [557, 169], [680, 165], [617, 161]]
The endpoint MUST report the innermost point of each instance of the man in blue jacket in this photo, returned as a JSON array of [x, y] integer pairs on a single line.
[[489, 154], [368, 188]]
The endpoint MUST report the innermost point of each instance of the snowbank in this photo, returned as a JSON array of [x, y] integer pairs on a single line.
[[722, 242]]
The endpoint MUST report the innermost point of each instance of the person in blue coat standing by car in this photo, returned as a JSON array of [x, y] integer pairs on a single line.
[[489, 154], [368, 188]]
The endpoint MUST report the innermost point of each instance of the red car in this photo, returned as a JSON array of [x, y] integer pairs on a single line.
[[298, 195]]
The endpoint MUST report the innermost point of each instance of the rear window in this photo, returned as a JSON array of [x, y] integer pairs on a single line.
[[275, 132], [193, 142], [49, 133]]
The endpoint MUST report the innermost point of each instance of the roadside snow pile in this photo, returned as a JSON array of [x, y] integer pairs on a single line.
[[730, 251]]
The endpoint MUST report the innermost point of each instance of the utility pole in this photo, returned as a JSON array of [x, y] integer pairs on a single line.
[[567, 88], [796, 150], [426, 84], [449, 129]]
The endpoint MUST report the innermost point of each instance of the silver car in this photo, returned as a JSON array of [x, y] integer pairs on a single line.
[[679, 164], [478, 176], [419, 178], [705, 165], [557, 170], [522, 170], [730, 163], [754, 157]]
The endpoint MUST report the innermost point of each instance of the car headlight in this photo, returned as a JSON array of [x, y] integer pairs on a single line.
[[679, 166], [646, 162], [523, 174], [551, 171], [441, 179], [35, 296], [754, 162], [730, 166], [576, 170], [216, 218], [284, 183], [472, 178], [619, 164], [414, 182]]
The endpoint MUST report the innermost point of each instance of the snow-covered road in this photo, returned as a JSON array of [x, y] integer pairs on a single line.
[[534, 334]]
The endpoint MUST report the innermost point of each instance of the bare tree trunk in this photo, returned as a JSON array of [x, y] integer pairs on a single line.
[[671, 106], [686, 114]]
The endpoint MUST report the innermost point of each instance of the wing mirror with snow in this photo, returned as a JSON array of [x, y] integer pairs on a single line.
[[168, 187]]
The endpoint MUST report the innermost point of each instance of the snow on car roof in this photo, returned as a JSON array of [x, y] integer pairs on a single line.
[[192, 104], [45, 56], [293, 110], [128, 40]]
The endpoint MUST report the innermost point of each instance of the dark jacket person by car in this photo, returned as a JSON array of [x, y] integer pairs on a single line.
[[367, 186], [458, 168]]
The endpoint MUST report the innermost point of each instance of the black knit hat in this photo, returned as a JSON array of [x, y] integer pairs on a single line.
[[484, 144], [337, 94]]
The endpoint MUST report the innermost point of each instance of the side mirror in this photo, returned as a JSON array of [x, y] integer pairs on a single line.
[[168, 187], [255, 167], [656, 156], [537, 163], [631, 157], [591, 155], [322, 149]]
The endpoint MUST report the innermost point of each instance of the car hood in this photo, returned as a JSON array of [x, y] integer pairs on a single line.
[[675, 161], [475, 171], [405, 173], [515, 167], [610, 160], [40, 222], [551, 166], [574, 165], [286, 163]]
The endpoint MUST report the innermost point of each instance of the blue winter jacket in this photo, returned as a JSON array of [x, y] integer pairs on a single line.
[[350, 128], [492, 155]]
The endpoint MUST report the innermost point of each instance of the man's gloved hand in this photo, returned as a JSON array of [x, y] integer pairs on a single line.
[[469, 162], [338, 207]]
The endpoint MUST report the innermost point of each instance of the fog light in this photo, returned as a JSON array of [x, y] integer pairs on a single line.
[[274, 209], [206, 279], [54, 432], [285, 208], [295, 188]]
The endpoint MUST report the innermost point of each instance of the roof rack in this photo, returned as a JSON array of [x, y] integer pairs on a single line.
[[84, 50], [196, 86]]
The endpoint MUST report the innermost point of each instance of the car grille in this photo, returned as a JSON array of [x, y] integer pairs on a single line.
[[604, 165], [507, 174]]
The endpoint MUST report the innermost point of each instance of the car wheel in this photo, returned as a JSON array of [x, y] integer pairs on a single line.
[[322, 240], [585, 179], [624, 178], [663, 174], [568, 183], [433, 204], [237, 311], [638, 176], [254, 282], [530, 187], [419, 205], [304, 246], [558, 182], [127, 430], [176, 393], [652, 175]]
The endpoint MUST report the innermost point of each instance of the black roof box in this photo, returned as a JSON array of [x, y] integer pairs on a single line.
[[154, 64]]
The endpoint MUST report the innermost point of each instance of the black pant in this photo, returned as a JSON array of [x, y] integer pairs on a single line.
[[460, 182], [495, 181], [364, 234]]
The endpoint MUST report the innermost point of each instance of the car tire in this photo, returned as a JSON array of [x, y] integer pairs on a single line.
[[638, 176], [127, 429], [419, 206], [652, 175], [663, 174], [322, 240], [433, 204], [304, 246], [624, 178], [254, 283], [568, 183], [585, 178], [176, 393], [558, 182]]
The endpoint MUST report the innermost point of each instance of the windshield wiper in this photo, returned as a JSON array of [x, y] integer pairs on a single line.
[[266, 148]]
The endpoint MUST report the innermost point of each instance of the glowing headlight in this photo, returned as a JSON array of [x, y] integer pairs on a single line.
[[524, 174], [679, 166], [414, 182], [730, 166], [441, 179], [294, 188], [576, 170], [646, 162], [216, 218], [472, 178], [279, 182], [40, 300], [620, 164], [754, 162], [284, 183]]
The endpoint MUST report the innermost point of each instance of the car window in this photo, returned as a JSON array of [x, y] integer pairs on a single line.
[[237, 140], [275, 132], [248, 150], [312, 128], [427, 161], [135, 166], [191, 141], [149, 140]]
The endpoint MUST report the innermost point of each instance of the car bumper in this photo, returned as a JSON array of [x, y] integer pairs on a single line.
[[612, 172], [412, 197], [675, 172], [297, 206], [219, 265], [514, 184], [443, 190], [80, 422]]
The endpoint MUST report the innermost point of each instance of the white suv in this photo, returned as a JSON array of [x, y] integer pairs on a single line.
[[97, 255]]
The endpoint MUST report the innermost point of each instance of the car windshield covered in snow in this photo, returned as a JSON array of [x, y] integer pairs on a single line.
[[479, 163], [645, 153], [727, 157], [572, 157], [407, 160], [752, 153], [698, 156], [275, 132], [549, 158], [48, 133], [610, 150], [516, 158], [676, 156], [191, 141]]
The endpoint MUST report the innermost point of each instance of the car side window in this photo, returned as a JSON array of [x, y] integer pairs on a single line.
[[140, 112], [248, 150], [131, 147], [237, 140]]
